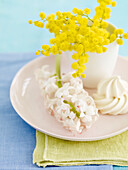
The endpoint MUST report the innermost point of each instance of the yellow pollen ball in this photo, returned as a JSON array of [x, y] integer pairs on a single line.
[[30, 21], [113, 3], [58, 13], [47, 26], [74, 75], [80, 70], [45, 47], [112, 37], [104, 49], [41, 25], [125, 35], [83, 60], [87, 11], [80, 12], [37, 53], [75, 66], [83, 75], [108, 2], [42, 15], [75, 10], [83, 66], [36, 23], [120, 31], [52, 41], [104, 24], [75, 56], [60, 52], [119, 41]]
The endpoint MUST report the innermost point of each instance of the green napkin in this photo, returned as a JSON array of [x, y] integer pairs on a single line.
[[53, 151]]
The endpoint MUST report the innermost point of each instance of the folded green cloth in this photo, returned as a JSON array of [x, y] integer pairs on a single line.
[[53, 151]]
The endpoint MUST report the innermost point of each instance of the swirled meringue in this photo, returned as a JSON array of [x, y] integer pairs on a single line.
[[112, 96]]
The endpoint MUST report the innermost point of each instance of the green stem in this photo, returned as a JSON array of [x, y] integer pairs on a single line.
[[88, 17], [58, 59], [102, 16], [59, 84], [42, 20], [73, 109]]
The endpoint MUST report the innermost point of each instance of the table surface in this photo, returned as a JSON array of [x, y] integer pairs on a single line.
[[17, 139]]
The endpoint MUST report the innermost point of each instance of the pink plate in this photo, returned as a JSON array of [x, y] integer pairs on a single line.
[[27, 101]]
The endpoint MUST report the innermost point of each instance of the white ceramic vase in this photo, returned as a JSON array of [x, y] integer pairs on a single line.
[[102, 65]]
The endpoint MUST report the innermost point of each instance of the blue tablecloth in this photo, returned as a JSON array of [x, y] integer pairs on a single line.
[[17, 139]]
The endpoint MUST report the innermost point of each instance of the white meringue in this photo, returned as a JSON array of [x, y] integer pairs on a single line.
[[112, 96]]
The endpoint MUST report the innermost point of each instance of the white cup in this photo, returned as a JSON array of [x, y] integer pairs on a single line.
[[100, 66]]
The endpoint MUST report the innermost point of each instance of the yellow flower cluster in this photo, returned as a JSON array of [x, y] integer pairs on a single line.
[[77, 32], [118, 35], [103, 11]]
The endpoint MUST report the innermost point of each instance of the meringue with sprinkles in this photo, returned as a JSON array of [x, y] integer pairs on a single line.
[[112, 96], [70, 104]]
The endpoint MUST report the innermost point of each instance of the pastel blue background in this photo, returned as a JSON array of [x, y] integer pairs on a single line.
[[16, 35]]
